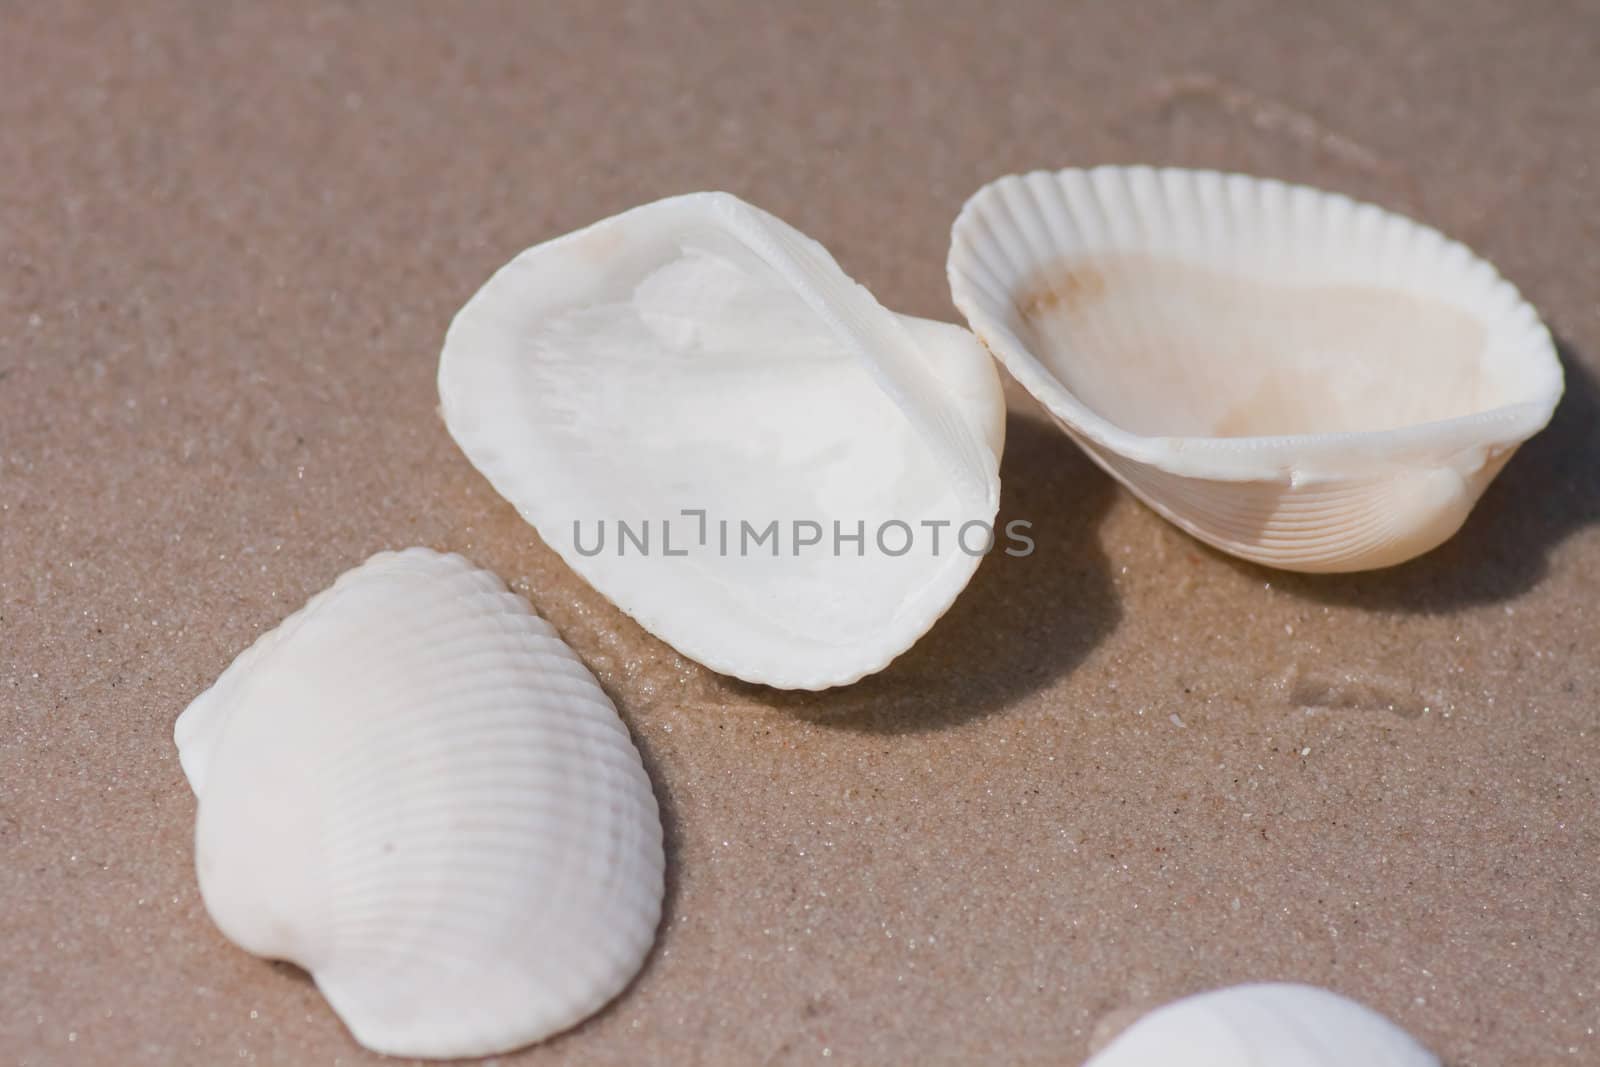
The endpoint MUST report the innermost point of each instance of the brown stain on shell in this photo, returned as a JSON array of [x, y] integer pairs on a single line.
[[1068, 287]]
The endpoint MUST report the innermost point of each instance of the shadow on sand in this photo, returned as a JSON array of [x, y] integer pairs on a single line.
[[1020, 624]]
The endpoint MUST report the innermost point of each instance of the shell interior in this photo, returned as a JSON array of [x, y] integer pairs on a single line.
[[655, 391], [1228, 326], [1204, 351]]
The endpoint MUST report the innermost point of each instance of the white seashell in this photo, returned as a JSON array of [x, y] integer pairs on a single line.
[[1268, 1025], [697, 354], [414, 790], [1291, 376]]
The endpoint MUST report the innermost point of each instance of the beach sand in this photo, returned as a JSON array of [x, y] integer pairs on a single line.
[[1121, 770]]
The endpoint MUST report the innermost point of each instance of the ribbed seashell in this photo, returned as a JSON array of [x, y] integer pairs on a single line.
[[414, 790], [695, 362], [1293, 377], [1267, 1025]]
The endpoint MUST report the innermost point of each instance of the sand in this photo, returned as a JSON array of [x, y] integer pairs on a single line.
[[1121, 770]]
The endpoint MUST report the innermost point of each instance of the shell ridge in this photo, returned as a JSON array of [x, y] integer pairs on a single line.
[[470, 856]]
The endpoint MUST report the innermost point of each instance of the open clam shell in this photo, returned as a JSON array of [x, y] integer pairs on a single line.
[[1271, 1024], [655, 393], [1296, 378], [413, 789]]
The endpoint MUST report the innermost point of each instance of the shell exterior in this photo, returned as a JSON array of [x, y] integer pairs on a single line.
[[697, 362], [1293, 377], [413, 789], [1267, 1025]]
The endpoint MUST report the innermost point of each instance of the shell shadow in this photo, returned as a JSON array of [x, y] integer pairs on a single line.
[[1549, 490], [1021, 623]]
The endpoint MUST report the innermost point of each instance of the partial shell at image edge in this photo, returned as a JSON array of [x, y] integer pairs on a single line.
[[1272, 1024]]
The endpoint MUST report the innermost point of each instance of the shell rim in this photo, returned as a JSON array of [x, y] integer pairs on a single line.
[[1279, 457]]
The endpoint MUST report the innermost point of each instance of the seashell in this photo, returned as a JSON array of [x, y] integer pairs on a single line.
[[415, 791], [1288, 375], [696, 365], [1275, 1024]]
